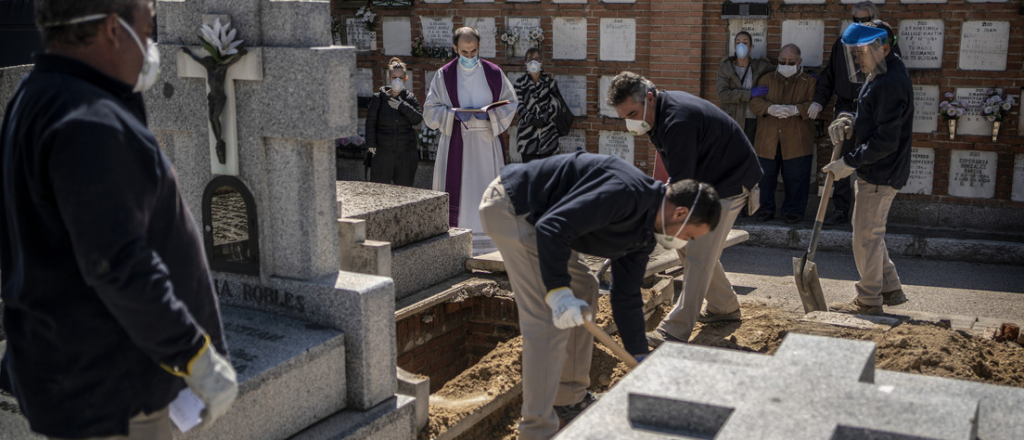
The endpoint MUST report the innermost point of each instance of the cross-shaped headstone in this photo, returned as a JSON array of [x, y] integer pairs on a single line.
[[249, 67]]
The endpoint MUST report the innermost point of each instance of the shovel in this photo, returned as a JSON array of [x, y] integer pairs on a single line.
[[602, 336], [804, 269]]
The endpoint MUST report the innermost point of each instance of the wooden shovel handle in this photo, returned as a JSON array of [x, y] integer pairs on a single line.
[[602, 336], [829, 178]]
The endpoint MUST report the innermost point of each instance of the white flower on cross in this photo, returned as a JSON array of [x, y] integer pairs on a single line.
[[220, 39]]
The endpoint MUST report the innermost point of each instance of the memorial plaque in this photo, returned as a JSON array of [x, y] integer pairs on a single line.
[[569, 38], [973, 174], [524, 25], [922, 171], [616, 143], [926, 108], [972, 122], [397, 36], [921, 43], [758, 30], [983, 45], [357, 35], [437, 31], [364, 83], [575, 141], [574, 91], [602, 96], [1017, 194], [486, 27], [618, 39], [809, 35]]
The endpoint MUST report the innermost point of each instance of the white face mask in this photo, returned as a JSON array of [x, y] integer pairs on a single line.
[[533, 67], [397, 85], [742, 50], [150, 54], [637, 128], [788, 71], [674, 242]]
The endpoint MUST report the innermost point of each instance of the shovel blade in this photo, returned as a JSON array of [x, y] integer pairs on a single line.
[[808, 284]]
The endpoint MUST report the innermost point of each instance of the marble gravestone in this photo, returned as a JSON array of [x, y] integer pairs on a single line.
[[809, 35], [984, 45], [437, 31], [524, 25], [758, 30], [357, 35], [616, 143], [922, 43], [922, 171], [397, 36], [1017, 191], [574, 92], [569, 38], [575, 141], [487, 28], [926, 108], [618, 39], [603, 85], [972, 174], [972, 123]]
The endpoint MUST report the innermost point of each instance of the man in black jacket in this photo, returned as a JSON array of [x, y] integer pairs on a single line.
[[699, 141], [540, 215], [109, 307], [883, 128]]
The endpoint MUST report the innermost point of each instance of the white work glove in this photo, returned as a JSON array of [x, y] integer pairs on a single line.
[[776, 110], [566, 309], [813, 111], [839, 169], [211, 378], [791, 110], [394, 102], [842, 128], [372, 150]]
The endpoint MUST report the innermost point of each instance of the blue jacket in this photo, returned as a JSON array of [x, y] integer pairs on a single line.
[[598, 205], [884, 127]]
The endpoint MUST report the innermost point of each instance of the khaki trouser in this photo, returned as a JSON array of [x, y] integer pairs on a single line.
[[870, 212], [704, 276], [155, 426], [556, 363]]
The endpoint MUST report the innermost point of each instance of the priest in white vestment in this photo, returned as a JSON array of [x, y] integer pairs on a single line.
[[469, 151]]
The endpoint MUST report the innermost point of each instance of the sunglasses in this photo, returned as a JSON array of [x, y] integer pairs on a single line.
[[787, 63], [861, 19]]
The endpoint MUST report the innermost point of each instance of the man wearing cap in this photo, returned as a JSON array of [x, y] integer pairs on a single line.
[[882, 127]]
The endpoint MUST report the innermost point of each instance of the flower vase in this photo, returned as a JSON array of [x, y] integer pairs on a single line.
[[510, 50], [952, 128], [995, 131]]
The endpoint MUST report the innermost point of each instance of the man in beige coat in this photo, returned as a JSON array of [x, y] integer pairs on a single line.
[[785, 138]]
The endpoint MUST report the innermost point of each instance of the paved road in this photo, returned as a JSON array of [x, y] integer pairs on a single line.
[[942, 287]]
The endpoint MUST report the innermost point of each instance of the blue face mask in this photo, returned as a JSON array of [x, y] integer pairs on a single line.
[[468, 63]]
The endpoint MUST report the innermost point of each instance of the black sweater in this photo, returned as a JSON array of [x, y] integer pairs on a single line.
[[884, 127], [392, 130]]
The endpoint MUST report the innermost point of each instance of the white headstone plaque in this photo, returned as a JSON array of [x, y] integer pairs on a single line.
[[921, 43], [809, 35], [569, 39], [1017, 193], [758, 30], [357, 35], [524, 25], [972, 122], [616, 143], [397, 36], [983, 45], [972, 174], [618, 39], [575, 141], [926, 108], [364, 83], [486, 27], [602, 96], [437, 31], [922, 171], [574, 91]]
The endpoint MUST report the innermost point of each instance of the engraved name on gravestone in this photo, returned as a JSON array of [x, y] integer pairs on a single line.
[[524, 25], [926, 108], [983, 45], [921, 43], [972, 122], [618, 39], [357, 35], [574, 91], [809, 36], [569, 38], [397, 36], [486, 27], [575, 141], [437, 31], [922, 171], [602, 97], [1017, 193], [758, 30], [972, 174], [616, 143]]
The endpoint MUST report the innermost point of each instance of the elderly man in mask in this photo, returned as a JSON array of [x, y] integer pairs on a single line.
[[109, 307], [882, 127]]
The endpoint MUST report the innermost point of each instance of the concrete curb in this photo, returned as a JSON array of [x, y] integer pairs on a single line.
[[914, 245]]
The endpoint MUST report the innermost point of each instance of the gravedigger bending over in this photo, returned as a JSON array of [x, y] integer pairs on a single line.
[[882, 126], [540, 215]]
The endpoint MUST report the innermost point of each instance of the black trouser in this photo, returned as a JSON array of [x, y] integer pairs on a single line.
[[750, 129], [528, 157], [394, 167]]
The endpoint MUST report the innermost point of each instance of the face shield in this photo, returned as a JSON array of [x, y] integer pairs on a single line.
[[864, 51]]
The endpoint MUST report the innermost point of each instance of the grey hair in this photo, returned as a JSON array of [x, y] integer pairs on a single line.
[[464, 31], [866, 6], [793, 46], [628, 84], [50, 13]]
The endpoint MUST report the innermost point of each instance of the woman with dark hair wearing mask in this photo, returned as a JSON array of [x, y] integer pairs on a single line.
[[536, 135], [735, 83], [390, 135]]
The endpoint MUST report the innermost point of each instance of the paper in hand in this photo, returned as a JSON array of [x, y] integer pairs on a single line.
[[185, 410]]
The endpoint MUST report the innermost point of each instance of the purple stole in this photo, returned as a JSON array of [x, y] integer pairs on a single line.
[[453, 175]]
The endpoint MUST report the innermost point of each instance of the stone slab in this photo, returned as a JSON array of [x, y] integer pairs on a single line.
[[984, 45], [972, 122], [397, 214], [809, 35], [922, 171], [617, 39], [10, 77], [397, 36], [415, 385], [390, 420], [616, 143], [922, 43], [926, 108], [569, 38], [425, 263], [486, 26], [972, 173], [852, 321]]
